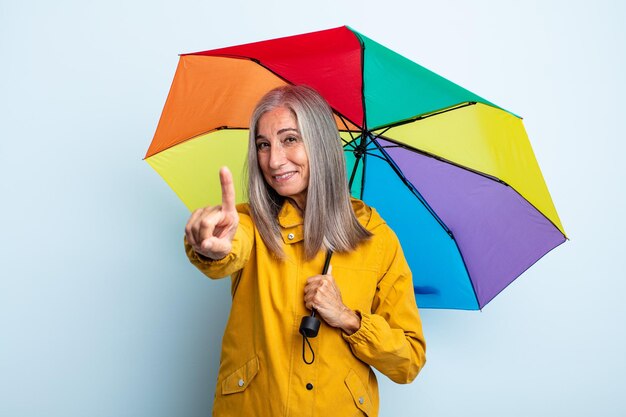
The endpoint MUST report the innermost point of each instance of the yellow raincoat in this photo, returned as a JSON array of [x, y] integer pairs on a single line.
[[262, 372]]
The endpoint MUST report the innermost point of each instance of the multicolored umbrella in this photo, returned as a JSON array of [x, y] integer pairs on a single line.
[[453, 174]]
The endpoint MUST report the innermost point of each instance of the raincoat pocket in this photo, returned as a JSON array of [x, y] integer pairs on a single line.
[[239, 380], [359, 392]]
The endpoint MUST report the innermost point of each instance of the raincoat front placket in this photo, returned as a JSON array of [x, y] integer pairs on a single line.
[[302, 376]]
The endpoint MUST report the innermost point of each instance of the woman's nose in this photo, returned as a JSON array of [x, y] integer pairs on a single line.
[[277, 157]]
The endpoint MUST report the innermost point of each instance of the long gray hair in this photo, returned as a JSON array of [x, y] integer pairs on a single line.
[[329, 221]]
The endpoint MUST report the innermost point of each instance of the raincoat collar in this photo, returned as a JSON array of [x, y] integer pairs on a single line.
[[292, 223], [289, 215]]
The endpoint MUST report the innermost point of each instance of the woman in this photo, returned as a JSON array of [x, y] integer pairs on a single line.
[[274, 248]]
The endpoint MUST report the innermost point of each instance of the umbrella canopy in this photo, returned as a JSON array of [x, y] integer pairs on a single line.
[[453, 174]]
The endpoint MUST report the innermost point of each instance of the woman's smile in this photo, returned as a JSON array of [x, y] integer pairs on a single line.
[[284, 177]]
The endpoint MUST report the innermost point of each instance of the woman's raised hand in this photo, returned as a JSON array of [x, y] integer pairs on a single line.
[[210, 230]]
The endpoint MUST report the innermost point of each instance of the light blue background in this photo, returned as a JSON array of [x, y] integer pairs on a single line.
[[102, 315]]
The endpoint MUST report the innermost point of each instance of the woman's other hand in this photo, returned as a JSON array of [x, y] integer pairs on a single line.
[[210, 230], [322, 294]]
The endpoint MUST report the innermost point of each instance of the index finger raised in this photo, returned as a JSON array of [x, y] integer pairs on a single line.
[[228, 190]]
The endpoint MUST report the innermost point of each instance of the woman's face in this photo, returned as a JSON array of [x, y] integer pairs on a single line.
[[282, 156]]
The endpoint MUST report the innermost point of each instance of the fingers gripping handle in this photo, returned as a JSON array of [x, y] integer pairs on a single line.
[[310, 325], [329, 255]]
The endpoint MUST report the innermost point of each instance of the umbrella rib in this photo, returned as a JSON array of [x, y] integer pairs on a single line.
[[343, 120], [366, 153], [375, 156], [362, 146], [356, 165], [412, 188], [438, 158], [377, 135], [364, 126], [197, 135], [425, 116], [347, 129]]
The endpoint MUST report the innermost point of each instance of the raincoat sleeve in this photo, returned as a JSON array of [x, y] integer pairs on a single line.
[[236, 259], [390, 337]]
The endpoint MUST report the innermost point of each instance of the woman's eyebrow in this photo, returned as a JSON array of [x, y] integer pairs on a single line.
[[286, 129]]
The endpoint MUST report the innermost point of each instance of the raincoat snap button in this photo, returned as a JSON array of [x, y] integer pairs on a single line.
[[290, 236], [241, 382], [309, 386], [361, 400]]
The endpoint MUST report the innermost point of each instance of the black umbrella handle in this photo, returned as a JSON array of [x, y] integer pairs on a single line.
[[310, 325]]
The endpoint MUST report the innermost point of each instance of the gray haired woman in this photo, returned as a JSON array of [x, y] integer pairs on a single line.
[[300, 214]]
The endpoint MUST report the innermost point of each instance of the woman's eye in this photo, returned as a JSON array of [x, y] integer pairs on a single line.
[[291, 139], [262, 145]]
